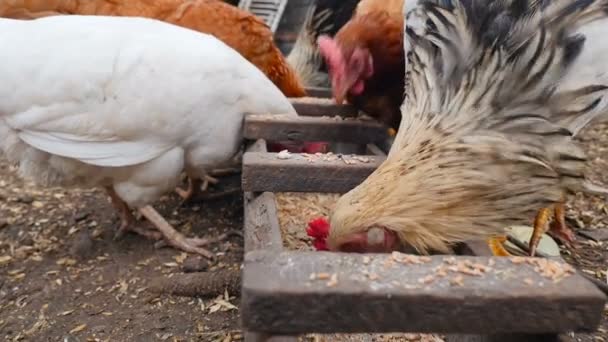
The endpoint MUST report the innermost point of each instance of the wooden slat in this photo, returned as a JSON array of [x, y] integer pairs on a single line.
[[309, 106], [481, 248], [266, 172], [262, 229], [509, 298], [300, 128], [259, 337], [261, 223], [319, 92], [509, 338], [262, 232]]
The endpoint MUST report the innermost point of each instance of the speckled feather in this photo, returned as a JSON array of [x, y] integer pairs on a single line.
[[305, 56], [481, 144]]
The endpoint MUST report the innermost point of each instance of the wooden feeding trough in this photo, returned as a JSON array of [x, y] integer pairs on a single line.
[[474, 297]]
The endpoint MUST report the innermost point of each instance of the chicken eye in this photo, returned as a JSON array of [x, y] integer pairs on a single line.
[[375, 236], [357, 64]]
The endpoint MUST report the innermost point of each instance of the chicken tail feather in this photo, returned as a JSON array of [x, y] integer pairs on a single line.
[[305, 57]]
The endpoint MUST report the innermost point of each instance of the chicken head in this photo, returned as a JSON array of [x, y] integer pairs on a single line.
[[372, 240], [348, 70]]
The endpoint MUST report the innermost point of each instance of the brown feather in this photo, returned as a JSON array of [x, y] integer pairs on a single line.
[[239, 29]]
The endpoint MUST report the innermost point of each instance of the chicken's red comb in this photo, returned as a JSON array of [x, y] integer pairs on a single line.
[[318, 229]]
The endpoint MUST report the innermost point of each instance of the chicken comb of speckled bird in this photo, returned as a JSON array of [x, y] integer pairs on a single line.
[[318, 229]]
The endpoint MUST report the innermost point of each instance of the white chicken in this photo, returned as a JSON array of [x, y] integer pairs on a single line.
[[126, 104]]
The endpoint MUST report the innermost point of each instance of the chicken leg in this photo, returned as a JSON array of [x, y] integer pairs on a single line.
[[127, 220], [166, 231], [175, 238], [557, 228], [541, 225], [497, 247], [196, 186]]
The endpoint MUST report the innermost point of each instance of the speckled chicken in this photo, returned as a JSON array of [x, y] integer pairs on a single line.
[[486, 137], [126, 104]]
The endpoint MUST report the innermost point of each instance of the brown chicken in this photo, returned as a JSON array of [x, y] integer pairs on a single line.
[[366, 62], [239, 29], [484, 143]]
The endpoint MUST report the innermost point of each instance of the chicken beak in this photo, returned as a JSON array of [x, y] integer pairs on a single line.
[[341, 85], [339, 90], [339, 99]]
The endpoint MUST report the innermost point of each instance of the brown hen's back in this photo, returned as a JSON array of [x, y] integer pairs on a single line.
[[393, 7], [378, 27], [237, 28]]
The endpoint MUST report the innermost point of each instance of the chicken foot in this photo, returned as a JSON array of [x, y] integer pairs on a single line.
[[165, 230], [220, 238], [173, 237], [557, 228], [541, 225], [196, 186], [497, 246], [127, 220]]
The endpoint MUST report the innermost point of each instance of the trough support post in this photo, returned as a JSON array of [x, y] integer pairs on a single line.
[[262, 232]]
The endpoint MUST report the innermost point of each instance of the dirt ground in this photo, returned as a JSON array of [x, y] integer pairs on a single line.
[[63, 278], [66, 277]]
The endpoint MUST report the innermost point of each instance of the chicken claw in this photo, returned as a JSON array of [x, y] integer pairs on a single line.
[[497, 247], [195, 186], [541, 225], [203, 242], [558, 227], [127, 220], [187, 194], [173, 237]]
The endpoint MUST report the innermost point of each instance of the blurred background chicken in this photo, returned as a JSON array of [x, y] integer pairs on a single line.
[[486, 137], [324, 17], [366, 60], [140, 102]]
